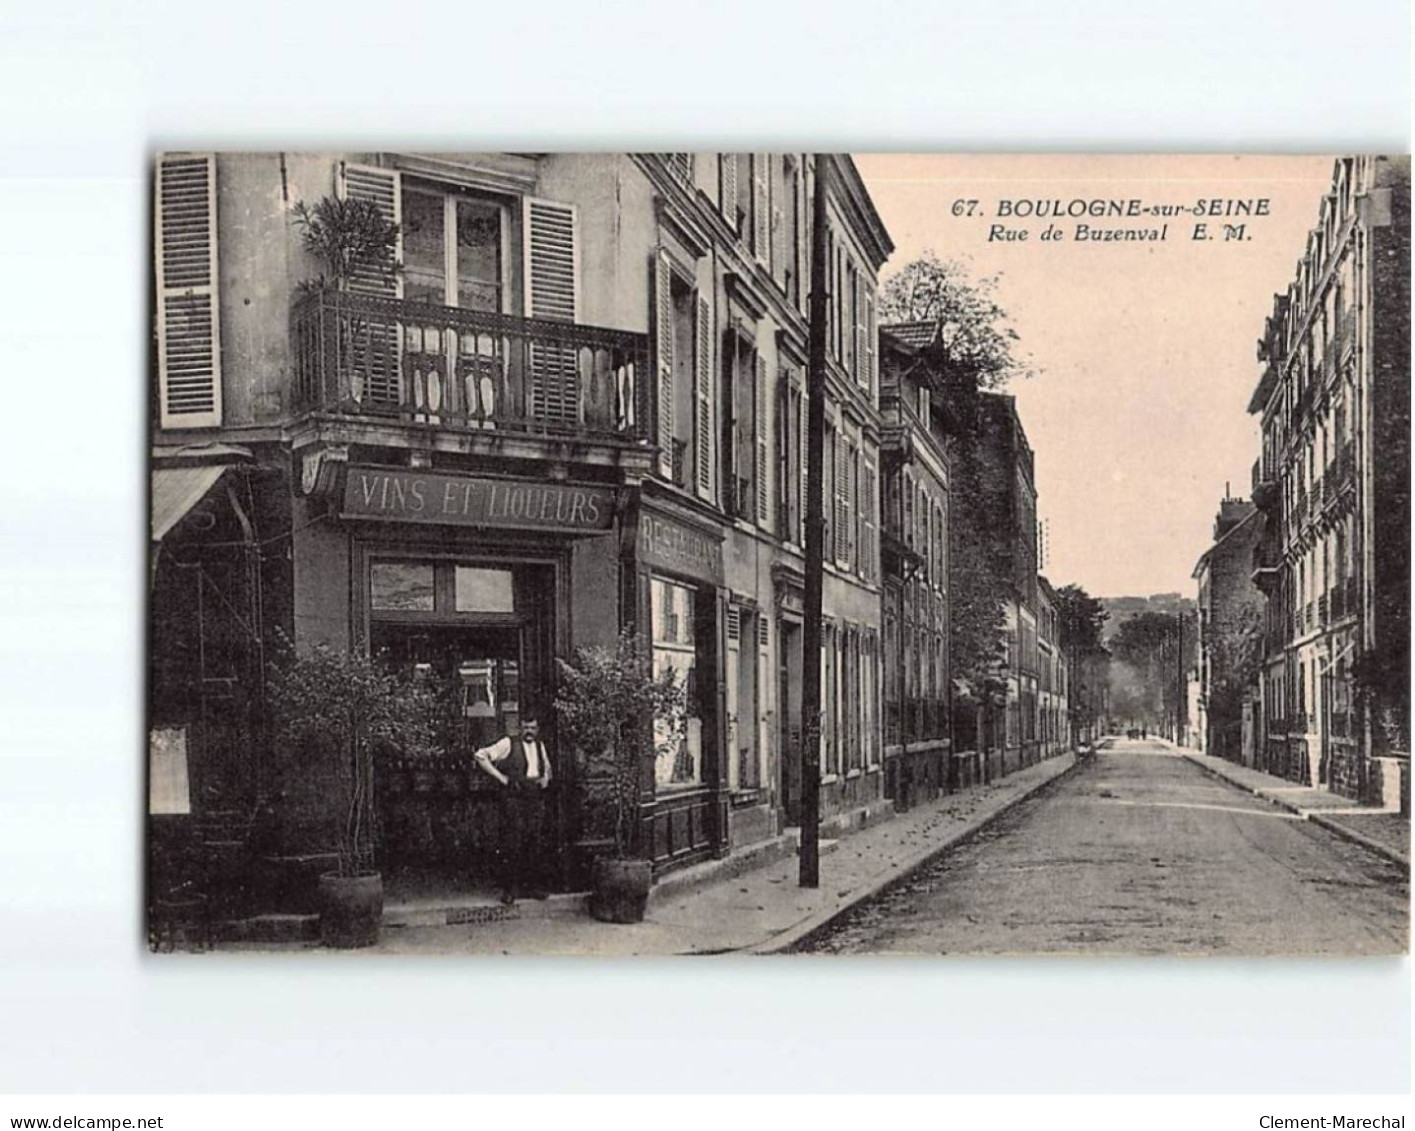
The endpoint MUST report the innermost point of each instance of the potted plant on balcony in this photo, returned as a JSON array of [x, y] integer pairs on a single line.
[[342, 710], [614, 711], [351, 239]]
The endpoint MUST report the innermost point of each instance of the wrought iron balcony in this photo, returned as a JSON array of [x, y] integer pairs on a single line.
[[384, 359]]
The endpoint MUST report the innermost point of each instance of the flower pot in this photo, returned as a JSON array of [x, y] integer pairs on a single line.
[[621, 890], [350, 909]]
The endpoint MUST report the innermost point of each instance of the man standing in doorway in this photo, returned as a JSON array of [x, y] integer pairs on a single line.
[[521, 766]]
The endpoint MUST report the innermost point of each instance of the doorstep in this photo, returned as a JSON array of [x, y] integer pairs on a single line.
[[457, 910]]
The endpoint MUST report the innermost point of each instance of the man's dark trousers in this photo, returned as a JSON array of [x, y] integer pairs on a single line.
[[522, 844]]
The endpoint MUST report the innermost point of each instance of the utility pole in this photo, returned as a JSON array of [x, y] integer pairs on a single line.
[[1180, 706], [809, 876]]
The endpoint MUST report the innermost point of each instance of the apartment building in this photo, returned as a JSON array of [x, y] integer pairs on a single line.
[[1332, 483]]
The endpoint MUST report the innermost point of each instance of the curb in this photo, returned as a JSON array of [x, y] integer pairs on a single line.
[[1307, 815], [1360, 838], [814, 924]]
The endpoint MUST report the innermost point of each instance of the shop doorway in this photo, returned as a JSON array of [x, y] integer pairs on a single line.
[[483, 636]]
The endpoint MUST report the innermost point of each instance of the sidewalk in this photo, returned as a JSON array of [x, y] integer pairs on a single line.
[[1380, 830], [759, 912]]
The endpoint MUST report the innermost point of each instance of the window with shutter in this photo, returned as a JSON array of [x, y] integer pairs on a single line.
[[849, 490], [868, 553], [188, 314], [842, 473], [727, 168], [663, 341], [870, 350], [552, 270], [761, 439], [761, 209], [702, 373]]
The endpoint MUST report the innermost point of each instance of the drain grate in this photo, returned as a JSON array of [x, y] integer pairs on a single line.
[[459, 915]]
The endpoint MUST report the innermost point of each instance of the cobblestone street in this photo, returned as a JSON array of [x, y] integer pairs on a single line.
[[1140, 852]]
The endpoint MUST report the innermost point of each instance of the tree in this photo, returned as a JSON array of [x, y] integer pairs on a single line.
[[1146, 678], [614, 710], [1082, 619], [975, 349], [975, 339]]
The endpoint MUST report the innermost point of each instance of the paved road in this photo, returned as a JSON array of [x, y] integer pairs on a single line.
[[1140, 852]]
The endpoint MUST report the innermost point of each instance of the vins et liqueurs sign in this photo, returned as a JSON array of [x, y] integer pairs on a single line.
[[397, 495]]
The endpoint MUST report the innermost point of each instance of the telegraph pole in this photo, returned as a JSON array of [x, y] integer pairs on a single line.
[[815, 541], [1180, 706]]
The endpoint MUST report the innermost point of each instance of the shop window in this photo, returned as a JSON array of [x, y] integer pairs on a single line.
[[675, 649], [402, 586], [482, 590]]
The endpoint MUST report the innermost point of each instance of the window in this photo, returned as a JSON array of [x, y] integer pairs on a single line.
[[402, 586], [675, 649], [785, 264], [481, 590], [682, 370], [789, 458], [744, 446], [453, 249], [743, 705]]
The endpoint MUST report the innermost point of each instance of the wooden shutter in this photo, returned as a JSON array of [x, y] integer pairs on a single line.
[[871, 346], [763, 496], [188, 310], [761, 208], [848, 505], [551, 261], [867, 512], [862, 340], [663, 340], [779, 256], [375, 356], [703, 372], [383, 188], [729, 189]]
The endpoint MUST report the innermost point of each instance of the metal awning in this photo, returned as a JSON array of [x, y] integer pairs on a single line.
[[175, 491]]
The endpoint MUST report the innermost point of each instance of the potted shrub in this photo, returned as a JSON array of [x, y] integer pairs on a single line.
[[342, 710], [613, 711], [349, 238]]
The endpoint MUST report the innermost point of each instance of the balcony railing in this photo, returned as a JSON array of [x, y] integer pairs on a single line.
[[415, 363]]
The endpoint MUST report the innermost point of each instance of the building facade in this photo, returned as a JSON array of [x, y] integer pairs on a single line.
[[1053, 675], [1229, 631], [1333, 486], [576, 409], [1009, 491], [914, 542]]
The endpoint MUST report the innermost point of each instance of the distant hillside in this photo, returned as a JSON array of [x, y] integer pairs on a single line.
[[1121, 609]]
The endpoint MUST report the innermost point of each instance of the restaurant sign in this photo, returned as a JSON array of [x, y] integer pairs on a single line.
[[675, 546], [403, 495]]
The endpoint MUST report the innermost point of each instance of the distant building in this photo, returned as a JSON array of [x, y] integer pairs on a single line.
[[914, 563], [1333, 485], [1054, 675], [1229, 629]]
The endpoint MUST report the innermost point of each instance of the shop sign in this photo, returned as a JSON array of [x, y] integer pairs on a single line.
[[673, 546], [402, 495]]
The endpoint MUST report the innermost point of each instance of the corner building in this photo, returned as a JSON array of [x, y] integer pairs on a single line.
[[579, 408]]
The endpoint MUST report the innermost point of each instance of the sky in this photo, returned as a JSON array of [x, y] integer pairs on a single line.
[[1145, 350]]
